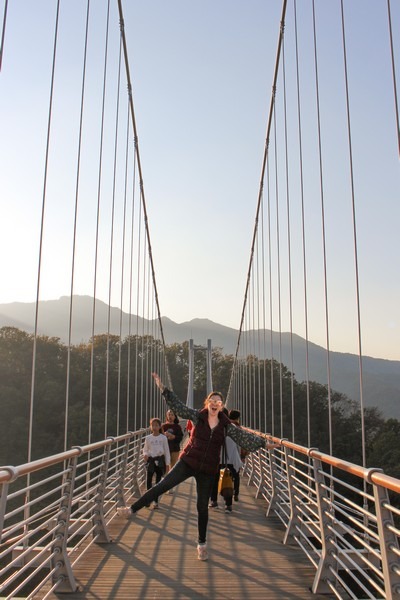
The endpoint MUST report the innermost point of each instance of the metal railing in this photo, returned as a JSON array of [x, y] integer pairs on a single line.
[[52, 510], [345, 518]]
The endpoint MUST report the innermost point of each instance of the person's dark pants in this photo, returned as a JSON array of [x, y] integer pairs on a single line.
[[153, 469], [236, 484], [180, 472], [214, 488]]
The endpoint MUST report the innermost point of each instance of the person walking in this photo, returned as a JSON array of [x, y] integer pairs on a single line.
[[230, 458], [156, 455], [200, 457], [174, 434], [234, 416]]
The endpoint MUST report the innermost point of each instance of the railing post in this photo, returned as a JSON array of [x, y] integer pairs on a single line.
[[63, 574], [294, 511], [261, 480], [120, 499], [273, 502], [4, 495], [249, 466], [327, 560], [387, 539], [3, 504], [100, 527], [136, 459]]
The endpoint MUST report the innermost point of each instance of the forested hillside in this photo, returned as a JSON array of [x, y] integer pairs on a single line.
[[381, 382], [110, 361]]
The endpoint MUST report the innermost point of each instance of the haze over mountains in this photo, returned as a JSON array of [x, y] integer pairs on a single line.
[[381, 378]]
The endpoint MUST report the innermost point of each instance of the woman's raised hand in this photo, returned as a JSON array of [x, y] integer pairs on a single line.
[[158, 381]]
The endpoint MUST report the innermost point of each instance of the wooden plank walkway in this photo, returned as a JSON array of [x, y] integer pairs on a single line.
[[154, 555]]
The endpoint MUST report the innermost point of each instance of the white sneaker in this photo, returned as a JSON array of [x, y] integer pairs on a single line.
[[124, 511], [155, 505], [202, 553]]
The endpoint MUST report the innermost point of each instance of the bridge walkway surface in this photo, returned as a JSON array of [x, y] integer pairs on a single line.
[[154, 555]]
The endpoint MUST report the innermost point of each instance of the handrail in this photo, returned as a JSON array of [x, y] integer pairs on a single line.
[[9, 473], [371, 475], [340, 525], [349, 531]]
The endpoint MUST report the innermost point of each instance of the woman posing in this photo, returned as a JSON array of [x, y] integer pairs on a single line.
[[201, 456]]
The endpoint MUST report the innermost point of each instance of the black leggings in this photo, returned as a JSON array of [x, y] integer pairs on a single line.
[[180, 472], [153, 469]]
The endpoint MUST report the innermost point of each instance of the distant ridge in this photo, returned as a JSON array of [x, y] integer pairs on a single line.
[[381, 377]]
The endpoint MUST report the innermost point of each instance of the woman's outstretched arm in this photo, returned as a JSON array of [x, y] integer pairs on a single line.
[[173, 402], [246, 439]]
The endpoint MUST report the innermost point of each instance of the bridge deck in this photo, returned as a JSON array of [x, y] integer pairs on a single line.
[[154, 556]]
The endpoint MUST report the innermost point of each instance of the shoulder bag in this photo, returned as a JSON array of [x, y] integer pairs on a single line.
[[225, 482]]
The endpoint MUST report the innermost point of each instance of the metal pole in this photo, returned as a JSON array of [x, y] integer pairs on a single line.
[[189, 400], [209, 367]]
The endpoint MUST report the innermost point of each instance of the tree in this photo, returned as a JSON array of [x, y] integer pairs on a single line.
[[269, 397], [384, 450]]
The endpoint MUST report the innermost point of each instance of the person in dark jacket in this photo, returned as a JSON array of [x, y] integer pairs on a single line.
[[200, 457], [234, 416], [173, 431]]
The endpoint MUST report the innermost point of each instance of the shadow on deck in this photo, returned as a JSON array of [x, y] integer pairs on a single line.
[[154, 555]]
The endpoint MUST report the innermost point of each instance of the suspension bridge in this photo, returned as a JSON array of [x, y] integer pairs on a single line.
[[309, 522]]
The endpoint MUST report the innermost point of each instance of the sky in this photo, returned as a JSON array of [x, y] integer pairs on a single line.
[[202, 75]]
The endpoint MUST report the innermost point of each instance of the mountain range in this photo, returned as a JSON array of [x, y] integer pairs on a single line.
[[381, 378]]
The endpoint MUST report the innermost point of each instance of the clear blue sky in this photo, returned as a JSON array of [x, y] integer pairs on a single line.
[[202, 74]]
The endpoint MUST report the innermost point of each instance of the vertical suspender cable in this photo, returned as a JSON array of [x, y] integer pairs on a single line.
[[46, 162], [3, 32], [240, 391], [355, 242], [323, 226], [255, 337], [145, 342], [258, 334], [143, 404], [271, 332], [148, 370], [249, 356], [252, 328], [245, 378], [289, 244], [123, 273], [152, 349], [137, 316], [97, 227], [152, 340], [303, 235], [128, 384], [247, 367], [244, 371], [110, 273], [264, 354], [396, 104], [279, 275], [77, 183]]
